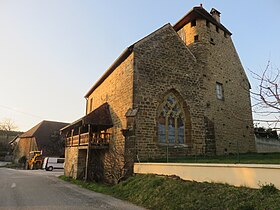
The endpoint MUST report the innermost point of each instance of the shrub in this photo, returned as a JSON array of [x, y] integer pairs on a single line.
[[268, 189]]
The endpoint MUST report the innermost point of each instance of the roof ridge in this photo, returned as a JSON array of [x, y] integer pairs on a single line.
[[31, 132], [35, 129], [53, 121], [154, 32], [119, 60]]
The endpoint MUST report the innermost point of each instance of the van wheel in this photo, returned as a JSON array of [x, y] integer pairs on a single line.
[[50, 168]]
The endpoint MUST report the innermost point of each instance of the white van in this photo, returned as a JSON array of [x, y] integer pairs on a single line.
[[51, 163]]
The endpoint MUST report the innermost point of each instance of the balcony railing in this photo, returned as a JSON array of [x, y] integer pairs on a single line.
[[84, 138], [96, 140]]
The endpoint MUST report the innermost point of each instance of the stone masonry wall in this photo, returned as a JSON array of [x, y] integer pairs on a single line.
[[117, 91], [71, 162], [232, 116], [24, 146], [164, 64]]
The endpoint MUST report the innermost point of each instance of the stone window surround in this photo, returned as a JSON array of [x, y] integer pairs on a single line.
[[187, 120], [196, 38], [219, 91]]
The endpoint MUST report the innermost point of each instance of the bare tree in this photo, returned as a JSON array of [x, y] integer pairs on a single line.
[[116, 163], [7, 126], [266, 99]]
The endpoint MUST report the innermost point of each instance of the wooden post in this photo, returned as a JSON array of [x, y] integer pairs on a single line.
[[72, 132], [88, 153], [79, 136]]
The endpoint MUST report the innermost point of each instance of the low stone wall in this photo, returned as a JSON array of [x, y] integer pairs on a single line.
[[265, 145], [249, 175]]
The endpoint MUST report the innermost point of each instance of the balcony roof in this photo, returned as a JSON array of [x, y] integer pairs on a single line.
[[100, 119]]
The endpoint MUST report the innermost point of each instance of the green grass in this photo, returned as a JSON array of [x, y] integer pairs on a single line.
[[162, 192], [249, 158]]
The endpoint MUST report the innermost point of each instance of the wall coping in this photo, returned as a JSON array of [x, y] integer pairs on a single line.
[[239, 165], [249, 175]]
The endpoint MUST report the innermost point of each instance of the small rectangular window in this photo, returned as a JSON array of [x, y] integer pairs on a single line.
[[207, 23], [196, 38], [225, 35], [217, 29], [219, 91], [193, 23]]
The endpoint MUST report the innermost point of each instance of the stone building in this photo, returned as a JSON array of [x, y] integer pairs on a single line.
[[44, 137], [179, 91]]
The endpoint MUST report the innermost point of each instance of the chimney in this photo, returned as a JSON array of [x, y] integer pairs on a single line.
[[215, 14]]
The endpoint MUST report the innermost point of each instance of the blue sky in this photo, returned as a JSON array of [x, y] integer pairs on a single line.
[[52, 52]]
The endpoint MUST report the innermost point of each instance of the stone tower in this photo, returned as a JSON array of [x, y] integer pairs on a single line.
[[228, 116]]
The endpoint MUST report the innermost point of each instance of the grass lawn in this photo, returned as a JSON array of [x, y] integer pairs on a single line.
[[162, 192], [249, 158]]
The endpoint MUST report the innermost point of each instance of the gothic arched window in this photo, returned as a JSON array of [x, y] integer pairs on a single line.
[[171, 121]]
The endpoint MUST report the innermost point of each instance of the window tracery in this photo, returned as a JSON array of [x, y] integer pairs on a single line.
[[171, 121]]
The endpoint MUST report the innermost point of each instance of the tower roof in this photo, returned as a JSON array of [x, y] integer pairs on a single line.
[[199, 13]]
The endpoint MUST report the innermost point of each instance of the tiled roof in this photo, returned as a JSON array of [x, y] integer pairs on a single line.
[[43, 131]]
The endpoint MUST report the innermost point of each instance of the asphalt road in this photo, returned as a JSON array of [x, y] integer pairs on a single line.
[[39, 189]]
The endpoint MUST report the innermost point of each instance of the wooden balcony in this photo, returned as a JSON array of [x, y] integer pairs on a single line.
[[96, 140]]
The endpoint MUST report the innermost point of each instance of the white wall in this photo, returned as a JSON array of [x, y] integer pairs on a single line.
[[264, 145], [249, 175]]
